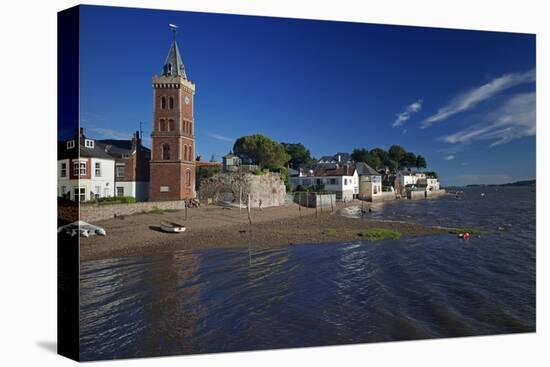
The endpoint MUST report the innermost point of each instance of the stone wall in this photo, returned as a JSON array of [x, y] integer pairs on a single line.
[[384, 196], [92, 212], [315, 200], [227, 187], [415, 195], [435, 193]]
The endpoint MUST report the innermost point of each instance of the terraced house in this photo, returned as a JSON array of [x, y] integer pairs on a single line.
[[89, 169]]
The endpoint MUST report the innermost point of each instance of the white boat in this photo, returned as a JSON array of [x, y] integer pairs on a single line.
[[82, 229], [172, 227]]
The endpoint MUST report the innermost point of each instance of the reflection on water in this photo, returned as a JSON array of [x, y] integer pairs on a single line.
[[225, 300]]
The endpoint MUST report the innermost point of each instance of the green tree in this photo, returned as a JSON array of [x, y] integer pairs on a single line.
[[408, 160], [397, 153], [380, 153], [420, 162], [360, 155], [262, 150], [298, 154], [392, 165]]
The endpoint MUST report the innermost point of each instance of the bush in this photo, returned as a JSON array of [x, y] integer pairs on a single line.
[[377, 234], [330, 232], [116, 200]]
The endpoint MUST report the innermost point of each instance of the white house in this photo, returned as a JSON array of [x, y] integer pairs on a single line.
[[341, 180], [84, 171], [370, 182], [416, 180]]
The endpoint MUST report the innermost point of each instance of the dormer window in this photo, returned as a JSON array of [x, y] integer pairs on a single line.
[[169, 68], [70, 144], [125, 155], [89, 143]]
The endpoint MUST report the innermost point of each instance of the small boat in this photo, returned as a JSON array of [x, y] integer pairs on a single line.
[[172, 227], [82, 229]]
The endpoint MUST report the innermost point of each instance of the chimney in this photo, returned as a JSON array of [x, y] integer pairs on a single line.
[[339, 158], [136, 141], [81, 137]]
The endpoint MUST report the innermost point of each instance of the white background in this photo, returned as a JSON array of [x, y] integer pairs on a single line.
[[28, 182]]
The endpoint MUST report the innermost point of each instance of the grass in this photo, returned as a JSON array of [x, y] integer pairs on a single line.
[[329, 232], [378, 234], [470, 230]]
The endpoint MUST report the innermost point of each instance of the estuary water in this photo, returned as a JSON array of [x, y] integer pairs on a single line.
[[221, 300]]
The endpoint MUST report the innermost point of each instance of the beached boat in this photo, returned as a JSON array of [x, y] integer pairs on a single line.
[[81, 229], [172, 227]]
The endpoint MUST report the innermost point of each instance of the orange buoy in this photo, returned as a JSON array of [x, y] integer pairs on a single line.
[[466, 236]]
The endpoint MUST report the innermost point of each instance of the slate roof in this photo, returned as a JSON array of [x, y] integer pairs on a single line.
[[174, 60], [364, 169], [346, 170], [344, 158]]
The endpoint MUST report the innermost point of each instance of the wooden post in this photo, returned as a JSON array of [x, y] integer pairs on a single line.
[[316, 205], [240, 196], [249, 219], [307, 199], [321, 201], [186, 211], [331, 206], [300, 204]]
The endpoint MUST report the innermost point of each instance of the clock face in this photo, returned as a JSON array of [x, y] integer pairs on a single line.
[[186, 99]]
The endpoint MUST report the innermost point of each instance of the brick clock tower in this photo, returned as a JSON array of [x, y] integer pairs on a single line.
[[173, 137]]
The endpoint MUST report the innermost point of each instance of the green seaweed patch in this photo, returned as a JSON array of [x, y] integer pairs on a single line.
[[329, 232], [472, 231], [156, 210], [378, 234]]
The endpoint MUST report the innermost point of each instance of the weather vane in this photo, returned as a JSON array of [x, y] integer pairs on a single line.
[[173, 28]]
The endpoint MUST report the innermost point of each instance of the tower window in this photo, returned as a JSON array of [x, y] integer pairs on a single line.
[[165, 151], [188, 178], [169, 68], [163, 103], [162, 126], [171, 103], [171, 126], [185, 152]]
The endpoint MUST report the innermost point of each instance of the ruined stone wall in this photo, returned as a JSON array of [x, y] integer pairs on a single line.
[[227, 187]]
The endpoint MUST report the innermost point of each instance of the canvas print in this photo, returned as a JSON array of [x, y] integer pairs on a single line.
[[234, 183]]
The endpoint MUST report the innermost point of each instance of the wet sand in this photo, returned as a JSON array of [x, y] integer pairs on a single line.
[[217, 227]]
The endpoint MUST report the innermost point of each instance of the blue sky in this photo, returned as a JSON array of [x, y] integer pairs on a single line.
[[463, 99]]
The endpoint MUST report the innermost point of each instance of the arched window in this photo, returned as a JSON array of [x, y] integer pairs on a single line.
[[162, 125], [190, 129], [185, 152], [188, 178], [169, 68], [171, 103], [165, 151], [171, 126], [163, 103]]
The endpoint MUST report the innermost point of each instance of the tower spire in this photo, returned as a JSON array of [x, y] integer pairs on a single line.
[[173, 66]]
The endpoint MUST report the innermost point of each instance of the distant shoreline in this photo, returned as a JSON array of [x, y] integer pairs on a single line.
[[216, 227]]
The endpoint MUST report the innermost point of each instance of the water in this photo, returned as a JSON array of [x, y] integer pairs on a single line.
[[220, 300]]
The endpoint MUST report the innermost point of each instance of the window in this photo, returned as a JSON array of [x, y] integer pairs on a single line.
[[120, 170], [306, 182], [165, 151], [88, 143], [75, 168], [188, 178], [125, 155], [185, 152], [63, 191], [171, 126], [165, 189], [332, 181], [97, 192], [163, 103], [171, 103], [82, 168], [169, 68], [70, 144], [80, 194], [98, 169], [345, 181], [318, 181], [63, 169], [162, 125], [119, 191]]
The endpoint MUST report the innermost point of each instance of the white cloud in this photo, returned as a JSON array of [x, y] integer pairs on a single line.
[[109, 133], [222, 138], [449, 157], [513, 120], [474, 96], [402, 117]]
